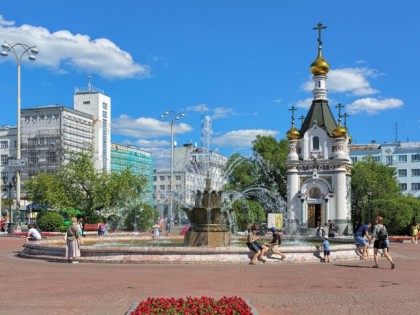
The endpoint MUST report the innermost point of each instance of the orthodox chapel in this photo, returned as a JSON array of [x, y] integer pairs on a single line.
[[318, 162]]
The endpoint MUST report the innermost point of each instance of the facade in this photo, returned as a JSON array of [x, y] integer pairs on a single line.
[[92, 101], [138, 161], [191, 167], [8, 143], [404, 157], [48, 132], [318, 163]]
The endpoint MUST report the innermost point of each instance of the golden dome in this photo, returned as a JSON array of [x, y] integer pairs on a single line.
[[339, 132], [320, 65], [350, 139], [293, 133]]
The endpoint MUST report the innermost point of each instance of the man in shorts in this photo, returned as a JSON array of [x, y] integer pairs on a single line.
[[361, 234], [275, 243]]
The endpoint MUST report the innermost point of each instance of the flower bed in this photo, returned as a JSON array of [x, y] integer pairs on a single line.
[[204, 305]]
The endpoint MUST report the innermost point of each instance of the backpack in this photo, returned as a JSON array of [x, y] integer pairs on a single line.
[[382, 234]]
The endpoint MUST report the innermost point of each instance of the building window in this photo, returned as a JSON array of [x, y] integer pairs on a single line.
[[354, 159], [86, 102], [402, 173], [415, 158], [4, 159], [178, 177], [162, 187], [376, 158], [415, 172], [162, 177], [154, 178], [315, 143], [402, 158], [4, 144], [403, 186], [415, 186], [389, 160]]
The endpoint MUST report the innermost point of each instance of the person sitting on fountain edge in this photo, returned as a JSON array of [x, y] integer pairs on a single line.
[[275, 243], [255, 246]]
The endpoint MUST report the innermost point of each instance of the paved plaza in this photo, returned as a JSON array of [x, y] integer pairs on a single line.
[[41, 287]]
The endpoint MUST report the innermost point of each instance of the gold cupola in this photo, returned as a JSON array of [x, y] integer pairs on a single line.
[[339, 132], [320, 65], [293, 133]]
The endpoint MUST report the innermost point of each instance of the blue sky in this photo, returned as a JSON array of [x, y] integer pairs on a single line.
[[244, 63]]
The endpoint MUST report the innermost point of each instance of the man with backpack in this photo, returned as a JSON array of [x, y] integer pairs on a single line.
[[380, 236]]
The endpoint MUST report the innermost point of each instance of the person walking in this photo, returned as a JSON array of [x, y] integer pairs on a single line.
[[101, 228], [255, 246], [361, 235], [72, 242], [380, 235], [275, 243], [415, 233], [331, 228], [326, 247]]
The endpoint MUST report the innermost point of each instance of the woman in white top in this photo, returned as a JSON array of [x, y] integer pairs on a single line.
[[33, 234]]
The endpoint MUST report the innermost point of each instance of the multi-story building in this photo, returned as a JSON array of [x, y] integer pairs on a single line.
[[404, 157], [140, 162], [191, 167], [93, 101], [48, 132], [8, 144]]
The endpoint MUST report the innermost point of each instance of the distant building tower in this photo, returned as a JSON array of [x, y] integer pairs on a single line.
[[93, 101], [318, 164]]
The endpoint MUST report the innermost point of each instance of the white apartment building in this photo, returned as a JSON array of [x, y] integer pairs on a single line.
[[8, 142], [404, 157], [93, 101]]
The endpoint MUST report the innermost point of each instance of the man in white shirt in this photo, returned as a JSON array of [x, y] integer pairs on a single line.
[[33, 234]]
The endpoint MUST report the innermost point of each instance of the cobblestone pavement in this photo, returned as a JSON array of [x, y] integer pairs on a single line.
[[41, 287]]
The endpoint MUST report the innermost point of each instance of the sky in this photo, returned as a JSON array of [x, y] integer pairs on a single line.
[[243, 63]]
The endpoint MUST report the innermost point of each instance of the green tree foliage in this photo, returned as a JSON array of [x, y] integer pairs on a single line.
[[79, 185], [241, 173], [248, 212], [274, 154], [49, 221], [371, 176], [144, 214]]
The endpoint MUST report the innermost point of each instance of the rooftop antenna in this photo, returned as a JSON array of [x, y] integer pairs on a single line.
[[396, 132], [406, 123], [89, 83]]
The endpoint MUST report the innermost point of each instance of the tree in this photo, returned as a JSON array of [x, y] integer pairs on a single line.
[[379, 180], [79, 185], [248, 212], [274, 155]]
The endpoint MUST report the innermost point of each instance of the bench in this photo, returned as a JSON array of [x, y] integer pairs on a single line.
[[90, 227]]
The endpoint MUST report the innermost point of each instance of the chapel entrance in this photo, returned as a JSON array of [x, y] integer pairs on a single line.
[[314, 215]]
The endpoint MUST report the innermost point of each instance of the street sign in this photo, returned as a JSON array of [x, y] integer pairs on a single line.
[[17, 164]]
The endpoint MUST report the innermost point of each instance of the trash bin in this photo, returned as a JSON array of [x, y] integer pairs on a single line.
[[10, 227]]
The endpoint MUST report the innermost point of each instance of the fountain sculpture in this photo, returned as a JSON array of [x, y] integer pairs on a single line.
[[210, 224]]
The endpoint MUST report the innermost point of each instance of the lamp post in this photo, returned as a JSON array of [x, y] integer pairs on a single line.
[[369, 194], [9, 185], [31, 51], [172, 116]]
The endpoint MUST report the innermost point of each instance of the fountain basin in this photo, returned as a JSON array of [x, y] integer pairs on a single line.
[[54, 250]]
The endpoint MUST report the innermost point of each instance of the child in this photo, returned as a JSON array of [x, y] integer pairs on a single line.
[[326, 246]]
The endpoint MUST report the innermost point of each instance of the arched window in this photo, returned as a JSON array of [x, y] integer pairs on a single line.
[[315, 143]]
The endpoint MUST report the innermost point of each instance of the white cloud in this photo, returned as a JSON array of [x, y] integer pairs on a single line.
[[241, 138], [223, 112], [348, 80], [373, 105], [198, 108], [62, 50], [145, 128], [277, 100], [306, 103]]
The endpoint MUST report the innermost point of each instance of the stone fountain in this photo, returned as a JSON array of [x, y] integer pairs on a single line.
[[210, 223]]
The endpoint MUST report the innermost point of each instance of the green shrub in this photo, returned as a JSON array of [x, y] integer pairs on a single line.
[[49, 221], [63, 228]]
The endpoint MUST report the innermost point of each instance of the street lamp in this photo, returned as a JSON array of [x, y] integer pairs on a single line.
[[31, 51], [369, 193], [9, 186], [172, 116]]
